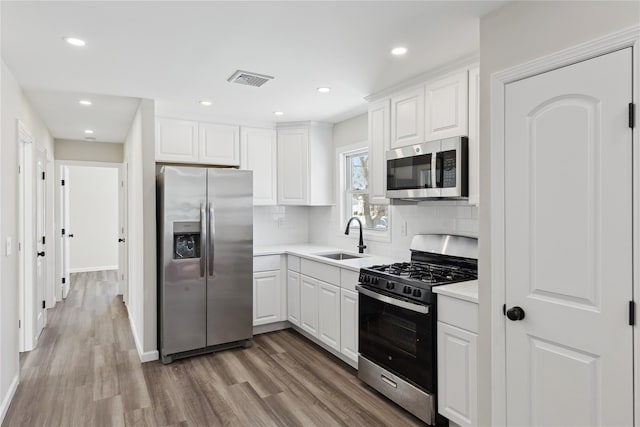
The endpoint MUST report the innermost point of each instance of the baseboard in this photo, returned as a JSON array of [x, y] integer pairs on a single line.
[[145, 356], [89, 269], [6, 401], [271, 327]]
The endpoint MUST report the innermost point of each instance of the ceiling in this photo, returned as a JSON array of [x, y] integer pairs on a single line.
[[179, 53]]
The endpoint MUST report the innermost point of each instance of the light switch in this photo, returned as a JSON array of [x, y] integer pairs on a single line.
[[8, 246]]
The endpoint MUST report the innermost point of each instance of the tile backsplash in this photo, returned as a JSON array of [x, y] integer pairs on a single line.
[[277, 225]]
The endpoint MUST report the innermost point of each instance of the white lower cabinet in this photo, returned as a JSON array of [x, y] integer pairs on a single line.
[[349, 324], [457, 361], [293, 297], [309, 304], [267, 297], [329, 315]]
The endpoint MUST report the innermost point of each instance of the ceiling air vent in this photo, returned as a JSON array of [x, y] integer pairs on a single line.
[[248, 78]]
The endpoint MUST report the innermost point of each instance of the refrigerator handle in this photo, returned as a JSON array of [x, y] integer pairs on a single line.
[[212, 236], [203, 233]]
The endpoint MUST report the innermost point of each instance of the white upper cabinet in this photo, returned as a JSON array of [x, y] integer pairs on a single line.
[[407, 118], [219, 144], [446, 107], [176, 140], [474, 136], [379, 143], [258, 153], [185, 141], [305, 164]]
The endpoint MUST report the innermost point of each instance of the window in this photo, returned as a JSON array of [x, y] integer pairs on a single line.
[[373, 217]]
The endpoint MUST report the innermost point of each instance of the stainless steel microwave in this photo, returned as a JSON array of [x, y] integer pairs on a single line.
[[436, 169]]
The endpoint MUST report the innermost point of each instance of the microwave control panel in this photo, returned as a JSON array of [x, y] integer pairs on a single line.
[[448, 168]]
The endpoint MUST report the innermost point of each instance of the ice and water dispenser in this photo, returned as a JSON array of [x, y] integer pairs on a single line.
[[186, 239]]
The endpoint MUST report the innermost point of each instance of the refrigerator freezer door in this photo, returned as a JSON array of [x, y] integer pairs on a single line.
[[230, 252], [182, 193]]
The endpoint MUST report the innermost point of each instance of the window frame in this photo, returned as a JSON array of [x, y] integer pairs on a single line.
[[345, 196]]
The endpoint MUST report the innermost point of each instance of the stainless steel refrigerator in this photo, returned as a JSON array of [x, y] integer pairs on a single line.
[[205, 259]]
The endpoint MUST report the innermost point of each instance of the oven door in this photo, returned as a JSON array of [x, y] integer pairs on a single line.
[[411, 171], [399, 336]]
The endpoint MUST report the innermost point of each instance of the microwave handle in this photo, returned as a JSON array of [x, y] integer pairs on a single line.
[[434, 183]]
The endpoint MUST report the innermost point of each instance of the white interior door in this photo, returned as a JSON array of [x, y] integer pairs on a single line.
[[122, 233], [40, 236], [568, 228], [66, 224]]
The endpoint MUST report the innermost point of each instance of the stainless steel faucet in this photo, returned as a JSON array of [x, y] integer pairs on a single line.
[[361, 245]]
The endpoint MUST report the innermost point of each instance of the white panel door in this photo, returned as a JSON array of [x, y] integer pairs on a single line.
[[176, 140], [293, 166], [379, 144], [66, 226], [407, 118], [457, 374], [266, 297], [309, 304], [568, 228], [293, 297], [349, 324], [219, 144], [258, 153], [446, 107], [329, 315], [40, 236]]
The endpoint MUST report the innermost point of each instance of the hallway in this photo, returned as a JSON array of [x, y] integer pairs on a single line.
[[85, 371]]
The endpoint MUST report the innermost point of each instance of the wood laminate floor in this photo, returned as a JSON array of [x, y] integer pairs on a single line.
[[85, 371]]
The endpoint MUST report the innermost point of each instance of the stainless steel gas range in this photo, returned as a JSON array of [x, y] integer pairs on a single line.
[[397, 319]]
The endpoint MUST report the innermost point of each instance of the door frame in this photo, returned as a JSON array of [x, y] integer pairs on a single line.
[[629, 37], [24, 245], [58, 234]]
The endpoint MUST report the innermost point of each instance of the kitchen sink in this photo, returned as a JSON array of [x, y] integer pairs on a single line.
[[340, 256]]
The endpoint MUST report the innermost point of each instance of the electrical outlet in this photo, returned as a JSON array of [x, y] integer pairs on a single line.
[[8, 246]]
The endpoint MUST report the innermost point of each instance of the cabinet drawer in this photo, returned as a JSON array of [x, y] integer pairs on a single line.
[[348, 279], [293, 263], [457, 312], [326, 273], [266, 263]]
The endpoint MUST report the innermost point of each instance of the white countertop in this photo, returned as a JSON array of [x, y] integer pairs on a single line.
[[311, 251], [467, 291]]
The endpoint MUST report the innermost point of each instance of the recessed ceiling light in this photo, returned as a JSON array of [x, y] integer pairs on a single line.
[[324, 89], [278, 113], [74, 41], [84, 102], [88, 131], [399, 51], [206, 103]]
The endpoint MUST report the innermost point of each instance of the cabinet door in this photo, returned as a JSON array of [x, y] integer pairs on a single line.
[[266, 297], [219, 144], [349, 324], [176, 140], [446, 107], [293, 167], [329, 315], [457, 374], [407, 118], [258, 153], [379, 137], [474, 136], [309, 304], [293, 297]]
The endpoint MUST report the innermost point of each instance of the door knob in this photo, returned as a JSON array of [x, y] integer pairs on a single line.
[[515, 313], [41, 253], [120, 240], [70, 235]]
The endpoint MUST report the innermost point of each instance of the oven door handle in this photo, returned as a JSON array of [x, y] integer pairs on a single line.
[[393, 301]]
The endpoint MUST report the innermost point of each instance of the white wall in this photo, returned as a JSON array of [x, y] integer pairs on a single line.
[[93, 203], [88, 151], [516, 33], [139, 155], [14, 106], [278, 225]]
